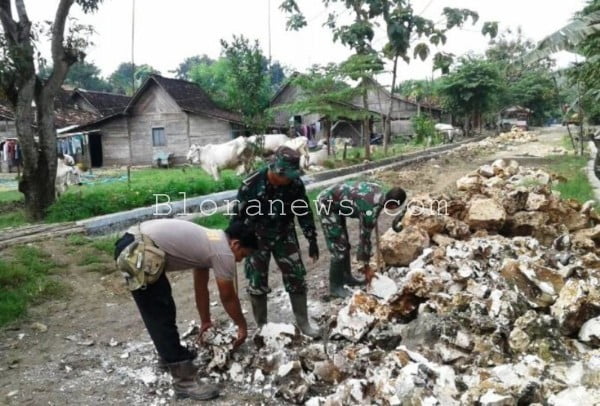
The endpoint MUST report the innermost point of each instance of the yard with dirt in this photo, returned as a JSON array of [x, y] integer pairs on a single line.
[[83, 341]]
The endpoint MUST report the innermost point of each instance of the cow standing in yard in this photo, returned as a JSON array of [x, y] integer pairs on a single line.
[[235, 154], [66, 174], [271, 142], [448, 131]]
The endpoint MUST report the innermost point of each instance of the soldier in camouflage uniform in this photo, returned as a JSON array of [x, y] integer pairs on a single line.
[[363, 201], [269, 199]]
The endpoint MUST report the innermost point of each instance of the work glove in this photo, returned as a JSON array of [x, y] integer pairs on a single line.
[[313, 249]]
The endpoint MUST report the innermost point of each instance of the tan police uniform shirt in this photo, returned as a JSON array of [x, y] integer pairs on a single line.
[[189, 245]]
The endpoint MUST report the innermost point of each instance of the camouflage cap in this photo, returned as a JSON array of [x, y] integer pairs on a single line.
[[286, 163]]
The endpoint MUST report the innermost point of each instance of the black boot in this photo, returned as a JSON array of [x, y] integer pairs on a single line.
[[259, 309], [300, 310], [185, 384], [336, 279], [349, 279]]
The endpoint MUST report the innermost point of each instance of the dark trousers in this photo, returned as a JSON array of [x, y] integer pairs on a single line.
[[157, 307]]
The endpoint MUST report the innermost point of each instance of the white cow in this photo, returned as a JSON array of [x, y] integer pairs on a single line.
[[271, 141], [274, 141], [338, 143], [66, 175], [233, 154], [316, 158], [448, 130]]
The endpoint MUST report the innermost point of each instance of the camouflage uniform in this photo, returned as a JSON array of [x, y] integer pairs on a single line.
[[362, 200], [275, 228]]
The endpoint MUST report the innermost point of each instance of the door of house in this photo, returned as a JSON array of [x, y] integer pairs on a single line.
[[95, 140]]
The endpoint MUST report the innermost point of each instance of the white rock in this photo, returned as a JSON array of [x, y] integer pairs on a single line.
[[147, 376], [286, 368], [236, 372], [383, 287], [258, 376], [277, 335], [491, 398], [575, 396], [590, 331], [353, 323]]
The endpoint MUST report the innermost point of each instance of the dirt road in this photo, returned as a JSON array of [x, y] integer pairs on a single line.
[[96, 349]]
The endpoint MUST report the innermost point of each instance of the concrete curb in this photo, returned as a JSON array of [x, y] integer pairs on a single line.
[[190, 207], [594, 181]]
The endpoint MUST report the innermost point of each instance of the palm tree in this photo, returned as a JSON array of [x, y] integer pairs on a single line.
[[567, 38]]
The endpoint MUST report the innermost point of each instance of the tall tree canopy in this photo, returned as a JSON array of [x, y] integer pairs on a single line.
[[33, 97], [471, 90], [409, 36], [121, 79], [184, 70], [241, 80]]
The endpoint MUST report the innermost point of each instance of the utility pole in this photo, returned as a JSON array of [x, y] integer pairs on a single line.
[[269, 28], [132, 46]]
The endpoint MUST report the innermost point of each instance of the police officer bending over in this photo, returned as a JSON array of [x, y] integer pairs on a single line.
[[147, 251]]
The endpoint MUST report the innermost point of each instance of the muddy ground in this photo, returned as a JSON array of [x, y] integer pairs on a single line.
[[96, 349]]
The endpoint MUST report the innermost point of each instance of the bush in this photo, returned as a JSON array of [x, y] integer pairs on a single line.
[[424, 129], [96, 200]]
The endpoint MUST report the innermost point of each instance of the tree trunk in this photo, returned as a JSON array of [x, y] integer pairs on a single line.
[[366, 127], [39, 158], [327, 124], [387, 136], [572, 139]]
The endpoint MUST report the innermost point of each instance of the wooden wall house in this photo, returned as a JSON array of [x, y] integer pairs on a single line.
[[164, 116]]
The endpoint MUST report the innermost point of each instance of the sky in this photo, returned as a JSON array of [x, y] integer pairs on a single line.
[[166, 32]]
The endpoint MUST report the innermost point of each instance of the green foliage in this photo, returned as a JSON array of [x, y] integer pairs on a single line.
[[323, 91], [472, 88], [424, 129], [214, 78], [240, 80], [95, 200], [577, 185], [24, 280], [84, 75], [12, 219], [184, 70], [121, 78], [249, 87], [105, 244], [217, 221], [530, 86]]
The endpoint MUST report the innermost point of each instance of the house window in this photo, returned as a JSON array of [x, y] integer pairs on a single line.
[[158, 137]]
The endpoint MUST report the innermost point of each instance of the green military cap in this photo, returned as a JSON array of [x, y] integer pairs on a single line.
[[286, 163]]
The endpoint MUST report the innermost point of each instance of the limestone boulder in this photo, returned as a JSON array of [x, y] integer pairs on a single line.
[[400, 249], [486, 214]]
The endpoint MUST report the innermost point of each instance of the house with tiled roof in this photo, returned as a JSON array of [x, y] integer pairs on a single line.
[[100, 103], [164, 116]]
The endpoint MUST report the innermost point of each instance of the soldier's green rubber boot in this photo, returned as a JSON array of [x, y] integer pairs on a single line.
[[349, 279], [300, 310], [336, 279], [259, 309], [185, 384]]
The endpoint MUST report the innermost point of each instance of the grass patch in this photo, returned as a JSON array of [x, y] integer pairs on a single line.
[[24, 280], [105, 244], [13, 219], [77, 240], [89, 259], [217, 220], [577, 185], [94, 200], [11, 196]]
